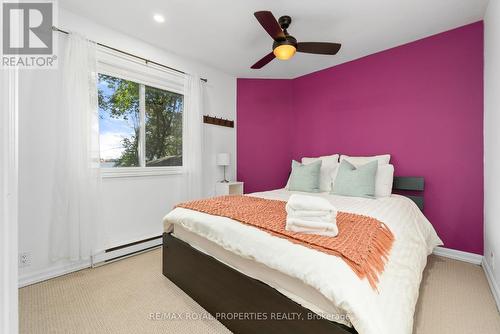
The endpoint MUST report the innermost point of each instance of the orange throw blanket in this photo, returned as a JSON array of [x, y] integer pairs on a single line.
[[363, 242]]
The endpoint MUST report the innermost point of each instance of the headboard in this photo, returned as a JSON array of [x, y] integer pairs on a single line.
[[411, 187]]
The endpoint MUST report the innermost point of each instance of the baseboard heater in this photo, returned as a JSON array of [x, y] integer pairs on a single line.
[[124, 251]]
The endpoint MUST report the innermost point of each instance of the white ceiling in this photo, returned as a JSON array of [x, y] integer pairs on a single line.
[[225, 34]]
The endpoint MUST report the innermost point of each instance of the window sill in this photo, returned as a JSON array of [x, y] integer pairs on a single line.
[[129, 172]]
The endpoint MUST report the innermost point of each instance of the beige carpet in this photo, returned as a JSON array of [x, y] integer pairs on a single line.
[[119, 298]]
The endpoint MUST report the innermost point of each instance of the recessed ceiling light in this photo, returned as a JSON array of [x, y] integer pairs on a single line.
[[159, 18]]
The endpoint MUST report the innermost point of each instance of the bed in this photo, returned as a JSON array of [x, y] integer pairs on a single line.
[[254, 282]]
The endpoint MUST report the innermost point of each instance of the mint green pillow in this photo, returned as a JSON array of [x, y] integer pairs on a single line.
[[356, 182], [305, 177]]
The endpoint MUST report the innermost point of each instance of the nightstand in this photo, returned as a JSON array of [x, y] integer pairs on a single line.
[[228, 188]]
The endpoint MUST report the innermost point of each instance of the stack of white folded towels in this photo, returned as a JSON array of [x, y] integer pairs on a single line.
[[311, 215]]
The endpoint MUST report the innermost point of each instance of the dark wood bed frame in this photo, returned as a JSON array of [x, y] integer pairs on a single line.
[[243, 304]]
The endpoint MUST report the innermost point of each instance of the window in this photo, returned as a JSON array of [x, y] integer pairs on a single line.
[[163, 127], [140, 125], [119, 122]]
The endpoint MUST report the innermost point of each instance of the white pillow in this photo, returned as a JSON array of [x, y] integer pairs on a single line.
[[383, 180], [359, 161], [328, 170]]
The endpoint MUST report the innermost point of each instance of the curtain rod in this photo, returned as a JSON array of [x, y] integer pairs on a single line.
[[147, 61]]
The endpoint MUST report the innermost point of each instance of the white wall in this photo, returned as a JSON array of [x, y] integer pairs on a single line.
[[492, 142], [133, 207]]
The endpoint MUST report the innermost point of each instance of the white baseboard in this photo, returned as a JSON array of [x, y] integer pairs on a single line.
[[458, 255], [495, 289], [52, 272]]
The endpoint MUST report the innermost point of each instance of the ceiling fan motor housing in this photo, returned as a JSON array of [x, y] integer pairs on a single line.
[[289, 40], [284, 22]]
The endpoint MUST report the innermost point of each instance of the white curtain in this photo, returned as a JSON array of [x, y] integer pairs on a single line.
[[77, 186], [193, 136]]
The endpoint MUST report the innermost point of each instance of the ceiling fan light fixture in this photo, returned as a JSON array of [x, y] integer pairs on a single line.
[[284, 51], [286, 48]]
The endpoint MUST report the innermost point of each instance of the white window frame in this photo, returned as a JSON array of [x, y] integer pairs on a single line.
[[129, 68]]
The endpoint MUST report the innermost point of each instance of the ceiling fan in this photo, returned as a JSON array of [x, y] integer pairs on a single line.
[[285, 45]]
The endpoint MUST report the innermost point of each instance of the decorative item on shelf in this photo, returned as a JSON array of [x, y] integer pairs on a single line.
[[223, 160], [218, 121]]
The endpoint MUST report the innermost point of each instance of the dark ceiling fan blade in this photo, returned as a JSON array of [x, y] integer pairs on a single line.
[[264, 61], [318, 48], [269, 23]]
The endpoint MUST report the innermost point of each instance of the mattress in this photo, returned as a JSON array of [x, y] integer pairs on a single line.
[[388, 310], [291, 287]]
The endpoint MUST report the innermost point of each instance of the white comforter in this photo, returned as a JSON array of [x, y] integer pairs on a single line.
[[389, 311]]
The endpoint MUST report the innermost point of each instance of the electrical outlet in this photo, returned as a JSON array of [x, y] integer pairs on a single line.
[[24, 259]]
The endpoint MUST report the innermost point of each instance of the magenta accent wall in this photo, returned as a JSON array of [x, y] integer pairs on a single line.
[[421, 102], [263, 133]]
